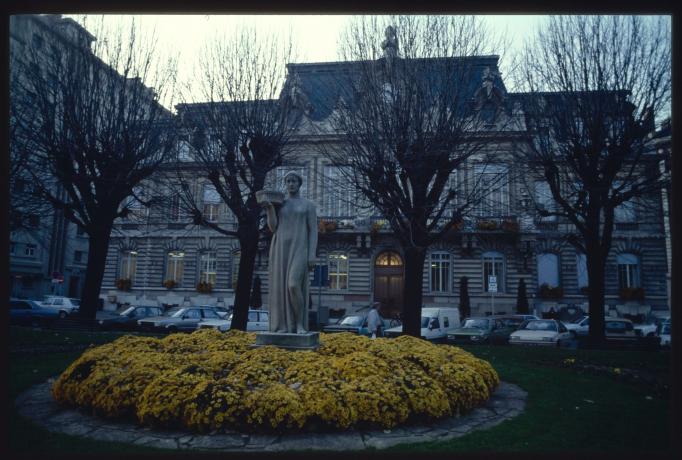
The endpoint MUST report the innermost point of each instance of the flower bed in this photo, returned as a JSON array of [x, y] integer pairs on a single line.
[[209, 380]]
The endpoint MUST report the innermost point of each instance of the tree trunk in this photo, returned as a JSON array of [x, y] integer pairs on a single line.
[[248, 243], [596, 264], [412, 290], [98, 246]]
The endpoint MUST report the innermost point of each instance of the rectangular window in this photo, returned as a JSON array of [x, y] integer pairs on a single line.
[[491, 185], [128, 265], [30, 250], [208, 265], [451, 184], [211, 201], [338, 191], [544, 199], [624, 212], [548, 269], [493, 265], [137, 210], [338, 271], [440, 272], [78, 256], [628, 271], [175, 265]]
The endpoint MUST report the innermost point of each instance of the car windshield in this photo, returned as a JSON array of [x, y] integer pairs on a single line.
[[175, 312], [578, 320], [426, 320], [355, 320], [476, 323], [126, 311], [75, 302], [540, 326]]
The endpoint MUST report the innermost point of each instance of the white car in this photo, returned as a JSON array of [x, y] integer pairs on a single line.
[[258, 321], [64, 305], [578, 327], [547, 332], [436, 323], [665, 334]]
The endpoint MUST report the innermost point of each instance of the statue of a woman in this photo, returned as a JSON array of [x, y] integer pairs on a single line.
[[292, 255]]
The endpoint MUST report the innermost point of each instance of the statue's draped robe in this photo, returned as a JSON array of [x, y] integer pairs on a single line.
[[288, 265]]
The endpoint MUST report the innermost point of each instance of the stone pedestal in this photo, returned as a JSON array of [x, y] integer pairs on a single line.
[[307, 341]]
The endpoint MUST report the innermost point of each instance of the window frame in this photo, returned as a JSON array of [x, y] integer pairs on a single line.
[[626, 268], [337, 275], [445, 285], [179, 259], [207, 260], [125, 258], [557, 267]]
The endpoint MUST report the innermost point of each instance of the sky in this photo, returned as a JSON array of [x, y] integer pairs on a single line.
[[315, 35]]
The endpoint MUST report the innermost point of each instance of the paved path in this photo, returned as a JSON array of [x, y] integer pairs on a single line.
[[37, 405]]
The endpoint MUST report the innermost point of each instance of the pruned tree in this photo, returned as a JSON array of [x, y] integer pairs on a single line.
[[413, 110], [95, 129], [239, 133], [464, 302], [594, 84]]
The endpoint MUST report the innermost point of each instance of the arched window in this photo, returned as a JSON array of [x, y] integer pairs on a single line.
[[439, 269], [628, 271], [386, 259], [493, 265], [338, 270], [128, 264], [548, 269]]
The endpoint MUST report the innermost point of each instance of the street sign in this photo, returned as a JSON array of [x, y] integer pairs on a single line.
[[320, 276], [492, 283]]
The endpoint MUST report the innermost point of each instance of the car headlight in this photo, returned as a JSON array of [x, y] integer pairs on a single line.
[[100, 321], [548, 339], [476, 338]]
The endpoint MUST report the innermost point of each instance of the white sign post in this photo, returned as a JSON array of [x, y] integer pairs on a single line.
[[492, 288]]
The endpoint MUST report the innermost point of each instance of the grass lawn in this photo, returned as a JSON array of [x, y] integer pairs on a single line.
[[567, 408]]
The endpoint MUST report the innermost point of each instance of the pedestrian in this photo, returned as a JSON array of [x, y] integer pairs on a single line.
[[374, 322]]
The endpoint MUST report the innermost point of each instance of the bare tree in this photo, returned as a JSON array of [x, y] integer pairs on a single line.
[[594, 84], [238, 134], [94, 129], [414, 113]]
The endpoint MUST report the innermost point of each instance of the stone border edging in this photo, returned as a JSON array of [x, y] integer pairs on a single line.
[[37, 404]]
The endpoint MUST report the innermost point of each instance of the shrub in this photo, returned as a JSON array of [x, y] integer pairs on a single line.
[[550, 292], [124, 284], [631, 293], [486, 225], [169, 284], [204, 287], [208, 381]]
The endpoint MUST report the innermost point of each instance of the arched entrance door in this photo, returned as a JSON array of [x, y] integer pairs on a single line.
[[388, 282]]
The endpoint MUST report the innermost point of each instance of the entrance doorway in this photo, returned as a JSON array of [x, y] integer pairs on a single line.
[[388, 283]]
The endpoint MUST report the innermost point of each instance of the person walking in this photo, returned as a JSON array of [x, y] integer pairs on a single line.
[[374, 322]]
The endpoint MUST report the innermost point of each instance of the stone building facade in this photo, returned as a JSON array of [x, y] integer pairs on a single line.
[[51, 247], [503, 236]]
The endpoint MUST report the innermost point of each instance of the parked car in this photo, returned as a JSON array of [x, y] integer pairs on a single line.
[[647, 329], [515, 320], [222, 312], [579, 326], [258, 320], [357, 323], [29, 312], [65, 306], [483, 330], [177, 319], [664, 334], [620, 330], [436, 324], [126, 318], [547, 332]]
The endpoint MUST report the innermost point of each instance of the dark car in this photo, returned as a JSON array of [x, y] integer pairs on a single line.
[[177, 319], [30, 312], [483, 330], [126, 318]]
